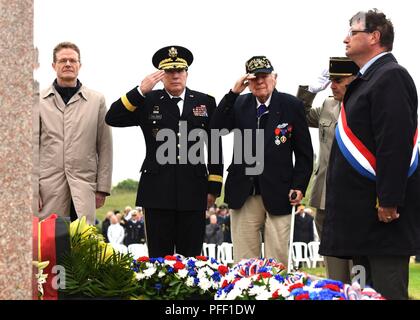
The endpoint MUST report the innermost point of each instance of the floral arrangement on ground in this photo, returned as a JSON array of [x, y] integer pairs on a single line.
[[95, 270]]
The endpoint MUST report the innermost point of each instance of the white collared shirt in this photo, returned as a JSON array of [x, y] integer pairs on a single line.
[[267, 103], [371, 61], [180, 102]]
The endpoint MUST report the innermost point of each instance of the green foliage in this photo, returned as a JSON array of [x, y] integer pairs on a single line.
[[94, 269], [126, 185]]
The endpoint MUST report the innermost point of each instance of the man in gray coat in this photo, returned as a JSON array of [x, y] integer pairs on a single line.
[[341, 72], [75, 144]]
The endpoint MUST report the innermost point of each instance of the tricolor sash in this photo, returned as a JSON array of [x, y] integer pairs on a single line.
[[356, 153]]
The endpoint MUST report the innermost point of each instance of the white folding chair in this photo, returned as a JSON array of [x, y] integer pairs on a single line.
[[300, 254], [209, 250], [138, 250], [120, 248], [314, 255], [262, 250], [225, 253]]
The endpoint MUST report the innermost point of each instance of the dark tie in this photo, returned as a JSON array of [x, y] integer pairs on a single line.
[[176, 99], [262, 109]]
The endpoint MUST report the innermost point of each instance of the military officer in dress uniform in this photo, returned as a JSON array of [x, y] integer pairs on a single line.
[[341, 72], [176, 186], [261, 199]]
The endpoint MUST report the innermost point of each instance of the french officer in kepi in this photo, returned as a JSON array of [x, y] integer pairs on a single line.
[[176, 184], [342, 71]]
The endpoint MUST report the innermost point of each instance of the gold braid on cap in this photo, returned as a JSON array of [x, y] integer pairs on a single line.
[[258, 63], [170, 63]]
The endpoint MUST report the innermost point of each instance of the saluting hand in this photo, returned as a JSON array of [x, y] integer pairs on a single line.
[[150, 81], [242, 83]]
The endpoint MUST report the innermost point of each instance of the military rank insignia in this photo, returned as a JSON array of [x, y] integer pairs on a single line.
[[200, 111], [282, 132]]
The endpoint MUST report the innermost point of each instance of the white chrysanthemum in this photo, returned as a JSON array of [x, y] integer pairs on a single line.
[[204, 284], [190, 282], [170, 262], [229, 277], [202, 273], [264, 295], [233, 294], [209, 271], [149, 272], [161, 274], [243, 284], [140, 276], [256, 290], [182, 273], [200, 263], [214, 284], [284, 291], [274, 284]]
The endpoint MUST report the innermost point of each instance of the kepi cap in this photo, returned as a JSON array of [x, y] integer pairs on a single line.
[[258, 64], [172, 58], [342, 67]]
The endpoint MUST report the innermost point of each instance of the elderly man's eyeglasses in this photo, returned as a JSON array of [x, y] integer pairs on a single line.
[[64, 61], [353, 32]]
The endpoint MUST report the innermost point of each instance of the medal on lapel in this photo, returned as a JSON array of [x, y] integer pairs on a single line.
[[277, 136], [200, 111]]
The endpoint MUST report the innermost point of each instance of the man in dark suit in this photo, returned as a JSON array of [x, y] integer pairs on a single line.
[[175, 187], [272, 126], [373, 180]]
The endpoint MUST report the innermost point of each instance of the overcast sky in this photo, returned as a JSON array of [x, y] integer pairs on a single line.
[[118, 38]]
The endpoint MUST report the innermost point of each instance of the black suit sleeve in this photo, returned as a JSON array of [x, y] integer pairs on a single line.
[[126, 111], [394, 114], [302, 148], [224, 116]]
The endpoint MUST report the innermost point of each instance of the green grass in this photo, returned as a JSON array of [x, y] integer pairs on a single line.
[[414, 284], [116, 201], [414, 281], [119, 200]]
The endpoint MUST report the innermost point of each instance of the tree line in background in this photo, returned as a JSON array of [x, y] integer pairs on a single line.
[[128, 185]]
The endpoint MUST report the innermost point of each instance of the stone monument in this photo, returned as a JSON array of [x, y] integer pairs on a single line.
[[16, 148]]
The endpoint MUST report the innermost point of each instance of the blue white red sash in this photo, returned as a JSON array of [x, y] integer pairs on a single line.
[[356, 153]]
